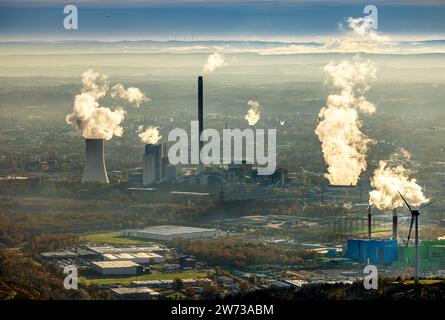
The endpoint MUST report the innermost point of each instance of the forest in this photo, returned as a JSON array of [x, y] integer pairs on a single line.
[[240, 254]]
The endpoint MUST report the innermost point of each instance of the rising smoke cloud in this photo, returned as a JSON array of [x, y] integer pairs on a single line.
[[214, 61], [343, 144], [91, 119], [131, 94], [254, 113], [389, 179], [150, 135], [360, 37]]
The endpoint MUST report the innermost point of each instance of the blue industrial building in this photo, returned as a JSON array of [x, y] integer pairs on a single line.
[[377, 251]]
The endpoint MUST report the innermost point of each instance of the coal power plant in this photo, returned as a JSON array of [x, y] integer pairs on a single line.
[[155, 163], [94, 170]]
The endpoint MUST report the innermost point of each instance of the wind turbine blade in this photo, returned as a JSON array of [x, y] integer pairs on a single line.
[[406, 202], [410, 228], [426, 205]]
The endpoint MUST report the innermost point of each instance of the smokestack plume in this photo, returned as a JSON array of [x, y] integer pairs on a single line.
[[214, 61], [149, 135], [369, 222], [389, 179], [254, 113], [94, 170], [200, 110], [394, 224], [343, 144], [93, 120]]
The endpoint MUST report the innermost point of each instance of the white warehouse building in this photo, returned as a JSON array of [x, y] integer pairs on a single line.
[[169, 232], [116, 267], [137, 257]]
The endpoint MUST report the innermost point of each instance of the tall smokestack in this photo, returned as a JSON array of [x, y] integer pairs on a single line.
[[394, 224], [369, 222], [200, 111], [94, 170]]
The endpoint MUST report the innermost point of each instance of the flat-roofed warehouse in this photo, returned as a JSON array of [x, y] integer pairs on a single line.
[[116, 267], [138, 257], [169, 232], [140, 293], [155, 248]]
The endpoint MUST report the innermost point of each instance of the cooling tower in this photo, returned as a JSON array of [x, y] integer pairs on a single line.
[[94, 170], [200, 110]]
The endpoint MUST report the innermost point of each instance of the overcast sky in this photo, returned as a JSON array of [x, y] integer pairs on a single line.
[[248, 19]]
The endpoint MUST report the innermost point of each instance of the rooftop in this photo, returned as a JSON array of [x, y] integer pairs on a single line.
[[126, 249], [134, 290], [115, 264], [140, 255], [172, 230]]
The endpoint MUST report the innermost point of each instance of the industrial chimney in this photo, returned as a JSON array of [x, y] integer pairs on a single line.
[[200, 111], [369, 222], [94, 170], [394, 224]]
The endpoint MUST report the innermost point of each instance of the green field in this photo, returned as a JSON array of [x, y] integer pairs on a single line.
[[153, 276], [112, 237]]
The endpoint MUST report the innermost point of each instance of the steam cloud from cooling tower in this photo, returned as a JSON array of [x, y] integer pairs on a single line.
[[95, 121], [254, 113], [214, 61], [98, 123], [343, 144], [132, 94], [389, 179], [150, 135]]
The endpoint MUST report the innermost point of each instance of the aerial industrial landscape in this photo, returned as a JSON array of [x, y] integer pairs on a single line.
[[188, 168]]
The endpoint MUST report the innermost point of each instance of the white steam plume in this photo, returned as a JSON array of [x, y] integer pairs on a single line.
[[214, 61], [363, 28], [91, 119], [344, 146], [132, 94], [361, 37], [150, 135], [389, 179], [254, 113]]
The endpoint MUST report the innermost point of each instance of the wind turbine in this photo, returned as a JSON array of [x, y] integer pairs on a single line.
[[415, 219]]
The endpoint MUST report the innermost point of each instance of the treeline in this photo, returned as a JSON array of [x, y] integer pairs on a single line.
[[22, 277], [388, 289], [52, 241], [43, 223], [239, 254]]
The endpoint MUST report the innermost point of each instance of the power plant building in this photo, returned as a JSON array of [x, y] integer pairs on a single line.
[[155, 164], [377, 251], [431, 253], [94, 170], [169, 232]]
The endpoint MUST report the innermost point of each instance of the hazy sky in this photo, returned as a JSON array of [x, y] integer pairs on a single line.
[[115, 20]]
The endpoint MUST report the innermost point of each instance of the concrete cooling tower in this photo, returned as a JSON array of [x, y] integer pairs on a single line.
[[94, 170]]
